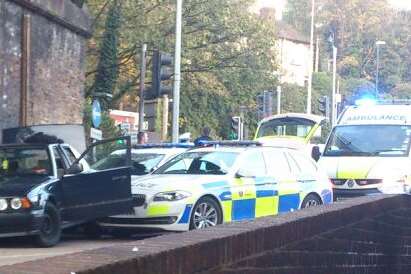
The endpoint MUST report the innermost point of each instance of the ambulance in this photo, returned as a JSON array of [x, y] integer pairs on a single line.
[[368, 151]]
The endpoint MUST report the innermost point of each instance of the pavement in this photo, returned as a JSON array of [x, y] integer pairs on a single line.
[[22, 249]]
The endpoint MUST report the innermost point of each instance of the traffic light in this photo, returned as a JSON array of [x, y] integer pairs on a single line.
[[236, 126], [161, 72], [324, 106], [264, 104]]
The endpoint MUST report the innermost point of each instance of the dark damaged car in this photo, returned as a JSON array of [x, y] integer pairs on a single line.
[[45, 188]]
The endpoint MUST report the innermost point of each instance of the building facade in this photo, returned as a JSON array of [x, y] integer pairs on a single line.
[[293, 51], [42, 62]]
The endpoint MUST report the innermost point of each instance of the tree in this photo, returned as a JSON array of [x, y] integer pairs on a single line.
[[107, 68], [227, 56]]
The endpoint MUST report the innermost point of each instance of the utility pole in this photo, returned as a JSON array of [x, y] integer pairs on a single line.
[[333, 98], [142, 79], [310, 63], [177, 59], [278, 99], [164, 124], [317, 54]]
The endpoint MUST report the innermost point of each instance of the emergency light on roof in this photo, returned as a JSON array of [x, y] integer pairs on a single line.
[[164, 145], [229, 143], [367, 101]]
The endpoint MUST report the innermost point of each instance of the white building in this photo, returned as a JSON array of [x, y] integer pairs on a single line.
[[293, 51]]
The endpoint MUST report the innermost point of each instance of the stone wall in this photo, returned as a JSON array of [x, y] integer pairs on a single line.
[[57, 31], [252, 246]]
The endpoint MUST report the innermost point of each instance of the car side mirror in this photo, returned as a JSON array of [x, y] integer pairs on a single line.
[[242, 173], [75, 169], [315, 153]]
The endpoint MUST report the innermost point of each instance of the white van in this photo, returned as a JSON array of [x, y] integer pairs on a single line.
[[368, 151]]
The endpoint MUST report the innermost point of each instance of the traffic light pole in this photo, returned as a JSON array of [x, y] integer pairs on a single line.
[[142, 79], [333, 97], [177, 58]]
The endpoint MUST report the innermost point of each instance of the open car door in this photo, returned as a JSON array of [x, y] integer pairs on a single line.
[[98, 183]]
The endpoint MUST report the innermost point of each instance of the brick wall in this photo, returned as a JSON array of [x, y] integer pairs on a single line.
[[213, 250], [58, 30]]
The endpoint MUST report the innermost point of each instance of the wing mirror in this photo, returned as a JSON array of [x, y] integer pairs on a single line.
[[242, 173], [75, 169], [315, 153]]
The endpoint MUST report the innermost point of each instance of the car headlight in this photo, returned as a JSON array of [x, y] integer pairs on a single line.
[[170, 196], [3, 204], [15, 203]]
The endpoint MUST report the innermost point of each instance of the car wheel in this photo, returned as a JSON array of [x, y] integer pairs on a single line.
[[206, 213], [310, 201], [50, 229]]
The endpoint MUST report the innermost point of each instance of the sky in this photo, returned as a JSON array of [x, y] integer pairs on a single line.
[[280, 4]]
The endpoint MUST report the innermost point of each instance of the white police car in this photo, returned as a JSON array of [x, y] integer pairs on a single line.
[[148, 157], [225, 182]]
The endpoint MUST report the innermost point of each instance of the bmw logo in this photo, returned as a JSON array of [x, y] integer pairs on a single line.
[[350, 183]]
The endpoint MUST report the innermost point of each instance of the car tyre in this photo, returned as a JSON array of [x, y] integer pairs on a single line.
[[206, 213], [310, 201], [50, 228]]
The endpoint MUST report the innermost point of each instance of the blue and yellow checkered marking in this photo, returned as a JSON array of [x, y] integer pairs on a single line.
[[249, 198]]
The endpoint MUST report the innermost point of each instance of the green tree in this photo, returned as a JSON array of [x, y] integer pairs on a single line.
[[107, 68]]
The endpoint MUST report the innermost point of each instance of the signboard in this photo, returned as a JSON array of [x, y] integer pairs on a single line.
[[96, 134], [133, 136], [96, 114], [125, 126]]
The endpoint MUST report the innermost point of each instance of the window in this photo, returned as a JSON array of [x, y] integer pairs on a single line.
[[69, 154], [24, 161], [369, 140], [58, 159], [277, 164], [254, 164], [286, 126], [208, 162]]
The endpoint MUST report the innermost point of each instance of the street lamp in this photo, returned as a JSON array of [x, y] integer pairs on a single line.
[[378, 44], [311, 56]]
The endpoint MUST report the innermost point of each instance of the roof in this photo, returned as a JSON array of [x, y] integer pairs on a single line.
[[288, 32], [315, 118]]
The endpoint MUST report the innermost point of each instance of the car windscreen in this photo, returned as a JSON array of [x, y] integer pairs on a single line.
[[369, 140], [289, 126], [209, 162], [142, 163], [24, 161]]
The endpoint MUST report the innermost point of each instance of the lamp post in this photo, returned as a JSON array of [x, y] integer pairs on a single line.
[[378, 44], [177, 73], [331, 39], [311, 56]]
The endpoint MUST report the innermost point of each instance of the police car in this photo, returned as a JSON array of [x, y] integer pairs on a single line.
[[146, 158], [226, 182]]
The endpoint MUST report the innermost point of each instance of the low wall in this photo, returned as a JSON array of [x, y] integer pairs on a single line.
[[209, 250]]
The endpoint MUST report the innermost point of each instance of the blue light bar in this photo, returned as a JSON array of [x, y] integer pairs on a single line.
[[228, 143], [164, 145], [366, 102]]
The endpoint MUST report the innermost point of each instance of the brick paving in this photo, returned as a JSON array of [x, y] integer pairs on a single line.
[[381, 244]]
